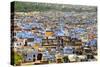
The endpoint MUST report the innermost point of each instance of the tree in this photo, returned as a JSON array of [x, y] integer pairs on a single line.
[[17, 58]]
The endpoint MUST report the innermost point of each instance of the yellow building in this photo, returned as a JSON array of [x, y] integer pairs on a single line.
[[48, 33], [36, 46]]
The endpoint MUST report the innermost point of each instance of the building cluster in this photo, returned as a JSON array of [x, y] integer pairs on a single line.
[[55, 37]]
